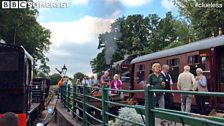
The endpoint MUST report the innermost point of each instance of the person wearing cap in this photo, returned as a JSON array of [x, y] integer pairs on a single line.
[[115, 84]]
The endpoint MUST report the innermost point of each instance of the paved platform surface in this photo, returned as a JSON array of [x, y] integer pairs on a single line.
[[64, 117]]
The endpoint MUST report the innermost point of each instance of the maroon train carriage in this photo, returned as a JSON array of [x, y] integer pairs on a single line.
[[207, 54]]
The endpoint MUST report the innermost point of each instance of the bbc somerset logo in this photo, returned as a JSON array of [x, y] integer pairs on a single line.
[[26, 4]]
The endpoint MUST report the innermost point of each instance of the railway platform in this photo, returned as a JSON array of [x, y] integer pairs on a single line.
[[64, 118]]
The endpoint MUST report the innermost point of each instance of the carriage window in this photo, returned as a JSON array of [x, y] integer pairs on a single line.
[[190, 60], [174, 68], [173, 62], [196, 60], [203, 59], [9, 61], [193, 59], [141, 67], [141, 73]]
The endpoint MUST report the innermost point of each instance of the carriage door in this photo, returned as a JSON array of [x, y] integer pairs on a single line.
[[220, 71]]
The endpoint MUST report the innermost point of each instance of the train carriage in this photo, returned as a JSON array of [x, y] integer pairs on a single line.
[[207, 54]]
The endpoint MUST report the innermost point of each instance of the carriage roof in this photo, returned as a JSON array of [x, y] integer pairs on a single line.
[[195, 46]]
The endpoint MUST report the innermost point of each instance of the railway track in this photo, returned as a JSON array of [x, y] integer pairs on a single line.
[[50, 102]]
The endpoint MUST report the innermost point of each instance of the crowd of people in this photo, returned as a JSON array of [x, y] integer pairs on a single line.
[[158, 79], [114, 83], [161, 79]]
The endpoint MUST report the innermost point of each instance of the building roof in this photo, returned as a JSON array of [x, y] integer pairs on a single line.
[[195, 46]]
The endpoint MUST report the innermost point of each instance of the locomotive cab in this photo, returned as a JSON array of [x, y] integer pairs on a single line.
[[15, 79]]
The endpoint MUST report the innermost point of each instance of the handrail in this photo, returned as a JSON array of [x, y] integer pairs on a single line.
[[188, 118], [128, 91], [189, 92], [94, 98], [120, 104], [73, 101]]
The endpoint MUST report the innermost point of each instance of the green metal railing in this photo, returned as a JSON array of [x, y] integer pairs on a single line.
[[73, 101]]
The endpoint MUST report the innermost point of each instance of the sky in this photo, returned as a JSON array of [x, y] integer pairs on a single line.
[[75, 29]]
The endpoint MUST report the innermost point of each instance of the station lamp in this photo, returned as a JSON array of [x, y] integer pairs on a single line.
[[64, 70]]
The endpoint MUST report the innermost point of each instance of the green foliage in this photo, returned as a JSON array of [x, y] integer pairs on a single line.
[[55, 78], [98, 63], [205, 20], [143, 35], [134, 31], [78, 75], [40, 75], [20, 27]]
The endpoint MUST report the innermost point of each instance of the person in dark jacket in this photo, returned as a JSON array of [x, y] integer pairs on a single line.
[[168, 82], [156, 81]]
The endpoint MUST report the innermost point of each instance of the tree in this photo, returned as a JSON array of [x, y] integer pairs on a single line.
[[205, 20], [98, 63], [43, 68], [134, 35], [78, 75], [40, 75], [185, 33], [20, 27], [168, 32], [55, 78]]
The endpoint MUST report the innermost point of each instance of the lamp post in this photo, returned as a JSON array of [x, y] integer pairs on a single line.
[[63, 71]]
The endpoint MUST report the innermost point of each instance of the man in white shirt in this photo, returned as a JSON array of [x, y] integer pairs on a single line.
[[85, 81]]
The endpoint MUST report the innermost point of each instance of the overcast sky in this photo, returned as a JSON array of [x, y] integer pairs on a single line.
[[75, 29]]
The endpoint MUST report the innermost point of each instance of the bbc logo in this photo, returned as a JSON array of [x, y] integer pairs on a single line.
[[14, 4]]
